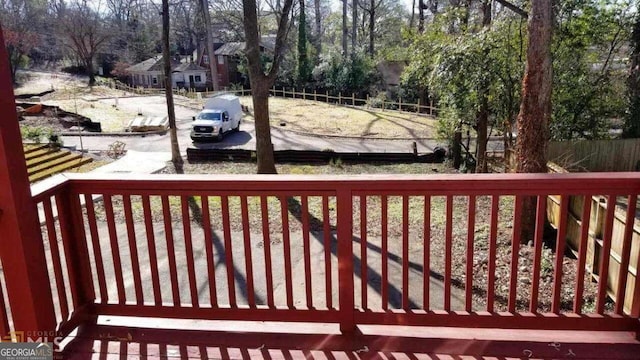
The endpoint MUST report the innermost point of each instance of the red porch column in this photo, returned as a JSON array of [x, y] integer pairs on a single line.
[[21, 247]]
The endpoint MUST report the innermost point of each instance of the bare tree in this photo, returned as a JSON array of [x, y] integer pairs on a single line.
[[354, 25], [482, 118], [345, 29], [261, 81], [213, 67], [166, 57], [535, 106], [318, 22], [85, 34]]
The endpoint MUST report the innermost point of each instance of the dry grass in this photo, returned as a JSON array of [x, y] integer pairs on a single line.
[[326, 119], [110, 118]]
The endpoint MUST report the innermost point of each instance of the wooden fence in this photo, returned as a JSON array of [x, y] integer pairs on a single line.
[[624, 236], [340, 99], [597, 155]]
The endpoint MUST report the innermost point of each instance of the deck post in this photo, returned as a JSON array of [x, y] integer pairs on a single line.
[[345, 260], [21, 248], [77, 253]]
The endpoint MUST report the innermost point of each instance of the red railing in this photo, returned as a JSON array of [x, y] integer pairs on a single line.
[[415, 250]]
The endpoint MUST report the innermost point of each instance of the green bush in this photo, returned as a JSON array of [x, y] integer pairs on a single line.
[[33, 133]]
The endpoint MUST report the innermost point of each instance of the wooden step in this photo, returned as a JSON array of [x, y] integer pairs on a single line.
[[48, 165], [78, 161], [28, 148], [39, 152], [46, 158]]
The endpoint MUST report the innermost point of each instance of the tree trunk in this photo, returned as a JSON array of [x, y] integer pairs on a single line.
[[632, 120], [88, 63], [535, 106], [421, 16], [261, 82], [264, 147], [213, 67], [166, 58], [372, 17], [345, 30], [482, 121], [413, 14], [304, 70], [318, 44], [354, 25]]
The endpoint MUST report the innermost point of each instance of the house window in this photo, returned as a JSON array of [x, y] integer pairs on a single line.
[[155, 80], [205, 59], [220, 59], [198, 78]]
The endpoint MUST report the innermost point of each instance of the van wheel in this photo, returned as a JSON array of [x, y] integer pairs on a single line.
[[237, 128], [220, 136]]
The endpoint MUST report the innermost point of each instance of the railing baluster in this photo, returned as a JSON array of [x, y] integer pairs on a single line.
[[267, 250], [286, 243], [405, 252], [153, 255], [426, 268], [363, 252], [307, 251], [582, 254], [95, 244], [171, 250], [385, 254], [345, 259], [605, 254], [326, 229], [135, 263], [188, 247], [76, 253], [4, 316], [560, 245], [493, 235], [246, 231], [447, 254], [208, 245], [55, 257], [228, 251], [626, 253], [515, 249], [541, 215], [471, 222], [115, 248]]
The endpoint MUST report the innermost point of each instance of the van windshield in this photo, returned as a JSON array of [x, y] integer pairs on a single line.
[[209, 116]]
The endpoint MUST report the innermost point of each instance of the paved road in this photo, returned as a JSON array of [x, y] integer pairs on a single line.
[[245, 139]]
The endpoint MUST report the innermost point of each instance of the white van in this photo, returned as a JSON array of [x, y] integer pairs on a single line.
[[221, 114]]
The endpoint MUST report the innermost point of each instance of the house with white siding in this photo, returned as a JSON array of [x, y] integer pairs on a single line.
[[184, 74]]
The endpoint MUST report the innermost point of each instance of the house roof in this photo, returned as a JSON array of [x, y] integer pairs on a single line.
[[145, 65], [230, 49], [188, 67], [267, 42], [156, 64]]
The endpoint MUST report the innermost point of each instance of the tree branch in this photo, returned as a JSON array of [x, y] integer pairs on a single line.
[[513, 8]]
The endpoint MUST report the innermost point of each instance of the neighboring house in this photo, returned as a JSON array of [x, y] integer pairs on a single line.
[[150, 73], [391, 72], [228, 57]]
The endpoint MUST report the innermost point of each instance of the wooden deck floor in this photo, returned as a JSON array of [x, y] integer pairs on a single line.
[[154, 339]]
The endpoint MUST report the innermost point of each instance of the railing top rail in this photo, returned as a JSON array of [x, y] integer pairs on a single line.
[[582, 183], [48, 186]]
